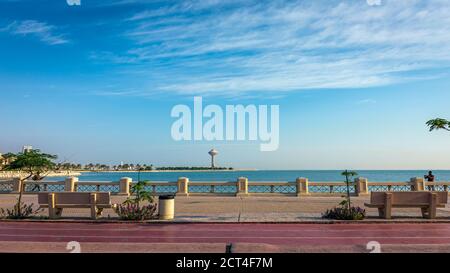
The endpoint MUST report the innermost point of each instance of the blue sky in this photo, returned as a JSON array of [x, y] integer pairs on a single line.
[[355, 80]]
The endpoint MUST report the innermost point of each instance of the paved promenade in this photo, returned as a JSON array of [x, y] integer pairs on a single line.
[[202, 237], [248, 209]]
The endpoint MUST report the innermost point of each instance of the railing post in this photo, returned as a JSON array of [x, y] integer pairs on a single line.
[[124, 186], [17, 184], [418, 184], [362, 186], [69, 183], [302, 186], [242, 186], [183, 186]]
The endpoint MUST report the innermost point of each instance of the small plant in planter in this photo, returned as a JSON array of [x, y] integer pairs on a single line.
[[139, 206], [19, 211], [345, 210]]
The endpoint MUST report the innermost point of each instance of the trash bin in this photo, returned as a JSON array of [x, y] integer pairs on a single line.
[[166, 207]]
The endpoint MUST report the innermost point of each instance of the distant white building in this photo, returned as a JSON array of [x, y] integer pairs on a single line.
[[27, 148]]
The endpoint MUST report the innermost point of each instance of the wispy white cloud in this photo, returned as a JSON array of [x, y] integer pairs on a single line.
[[73, 2], [40, 30], [366, 101], [239, 47], [373, 2]]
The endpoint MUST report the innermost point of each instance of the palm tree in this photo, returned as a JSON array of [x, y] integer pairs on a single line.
[[438, 123], [348, 174]]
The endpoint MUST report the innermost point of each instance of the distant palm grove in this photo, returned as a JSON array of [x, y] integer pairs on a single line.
[[127, 167], [7, 159]]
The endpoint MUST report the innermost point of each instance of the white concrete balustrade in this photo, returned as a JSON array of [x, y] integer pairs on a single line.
[[241, 187]]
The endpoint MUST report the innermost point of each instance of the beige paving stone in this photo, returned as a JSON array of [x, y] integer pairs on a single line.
[[244, 209]]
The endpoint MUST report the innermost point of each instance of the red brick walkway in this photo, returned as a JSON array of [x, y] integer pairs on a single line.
[[273, 234]]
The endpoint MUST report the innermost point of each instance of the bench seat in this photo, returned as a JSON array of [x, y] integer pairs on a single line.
[[425, 200], [57, 201], [423, 205], [74, 206]]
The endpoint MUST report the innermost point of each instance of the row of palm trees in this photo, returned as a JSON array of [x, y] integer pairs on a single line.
[[125, 167], [103, 167], [5, 159]]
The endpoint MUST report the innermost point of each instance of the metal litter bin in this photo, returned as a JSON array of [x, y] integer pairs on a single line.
[[166, 207]]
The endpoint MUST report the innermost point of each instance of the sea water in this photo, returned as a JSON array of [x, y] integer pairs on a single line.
[[262, 175]]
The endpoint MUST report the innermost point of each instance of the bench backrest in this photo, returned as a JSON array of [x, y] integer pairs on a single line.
[[405, 198], [75, 198]]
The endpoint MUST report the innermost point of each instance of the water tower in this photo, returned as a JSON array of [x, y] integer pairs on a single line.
[[213, 153]]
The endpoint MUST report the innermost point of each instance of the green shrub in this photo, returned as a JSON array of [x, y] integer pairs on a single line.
[[128, 211], [19, 211], [133, 209], [345, 212]]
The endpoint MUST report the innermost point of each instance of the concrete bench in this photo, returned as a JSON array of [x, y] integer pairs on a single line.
[[425, 200], [57, 201]]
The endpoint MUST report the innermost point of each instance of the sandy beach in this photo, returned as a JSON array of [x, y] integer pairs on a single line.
[[9, 174], [172, 171]]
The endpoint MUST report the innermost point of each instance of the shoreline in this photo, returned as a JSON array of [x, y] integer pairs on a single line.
[[16, 174], [172, 171]]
